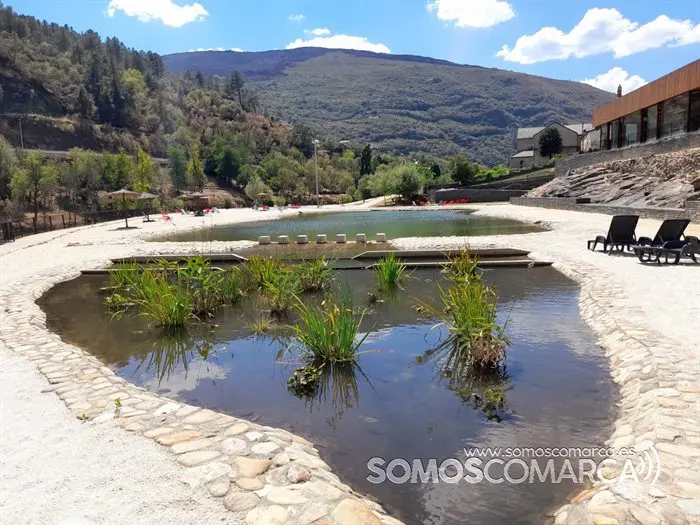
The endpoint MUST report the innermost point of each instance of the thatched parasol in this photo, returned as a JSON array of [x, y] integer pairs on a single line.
[[125, 194], [145, 196]]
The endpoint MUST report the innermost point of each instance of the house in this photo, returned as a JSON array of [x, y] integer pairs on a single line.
[[528, 143], [663, 108]]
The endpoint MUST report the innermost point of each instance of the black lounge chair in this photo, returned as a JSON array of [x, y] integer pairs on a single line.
[[671, 251], [667, 241], [620, 234]]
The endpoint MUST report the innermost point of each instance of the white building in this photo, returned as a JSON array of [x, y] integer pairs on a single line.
[[528, 143]]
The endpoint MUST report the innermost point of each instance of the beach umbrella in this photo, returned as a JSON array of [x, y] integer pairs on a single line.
[[125, 195], [145, 196]]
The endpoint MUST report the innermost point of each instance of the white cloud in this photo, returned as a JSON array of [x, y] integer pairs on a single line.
[[236, 49], [166, 11], [616, 77], [319, 31], [296, 18], [340, 42], [601, 31], [472, 13]]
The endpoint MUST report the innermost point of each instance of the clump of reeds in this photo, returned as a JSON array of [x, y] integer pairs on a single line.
[[281, 292], [169, 294], [390, 272], [469, 313], [329, 333], [263, 269], [313, 275]]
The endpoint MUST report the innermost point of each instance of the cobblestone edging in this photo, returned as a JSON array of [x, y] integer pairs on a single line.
[[659, 408], [262, 475]]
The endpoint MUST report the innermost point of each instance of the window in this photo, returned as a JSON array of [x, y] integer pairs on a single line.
[[614, 134], [694, 116], [633, 125], [652, 122], [675, 115]]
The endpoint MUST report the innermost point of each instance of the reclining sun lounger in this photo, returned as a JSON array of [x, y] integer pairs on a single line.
[[620, 234], [668, 241]]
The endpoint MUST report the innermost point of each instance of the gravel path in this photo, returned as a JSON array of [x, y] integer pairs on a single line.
[[58, 470]]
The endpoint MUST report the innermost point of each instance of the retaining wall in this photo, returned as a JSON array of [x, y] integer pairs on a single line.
[[691, 211], [474, 195], [667, 145]]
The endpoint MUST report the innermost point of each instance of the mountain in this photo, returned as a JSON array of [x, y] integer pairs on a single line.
[[401, 104]]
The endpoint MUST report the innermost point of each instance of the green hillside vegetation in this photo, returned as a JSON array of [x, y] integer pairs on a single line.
[[402, 104], [124, 105]]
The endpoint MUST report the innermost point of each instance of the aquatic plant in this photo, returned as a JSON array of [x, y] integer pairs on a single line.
[[390, 272], [304, 381], [161, 302], [463, 266], [329, 332], [281, 292], [313, 275], [263, 269], [469, 313]]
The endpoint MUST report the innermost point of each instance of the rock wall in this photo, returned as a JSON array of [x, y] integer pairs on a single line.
[[663, 180]]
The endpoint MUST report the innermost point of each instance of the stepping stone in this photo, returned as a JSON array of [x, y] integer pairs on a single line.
[[361, 238], [341, 238], [264, 240], [381, 237], [283, 239], [321, 238], [302, 239]]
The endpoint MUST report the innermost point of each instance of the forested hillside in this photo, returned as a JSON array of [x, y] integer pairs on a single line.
[[402, 104]]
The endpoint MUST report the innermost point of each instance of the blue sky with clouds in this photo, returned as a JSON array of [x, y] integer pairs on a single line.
[[605, 43]]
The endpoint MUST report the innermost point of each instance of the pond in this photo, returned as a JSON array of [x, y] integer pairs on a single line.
[[402, 401], [418, 223]]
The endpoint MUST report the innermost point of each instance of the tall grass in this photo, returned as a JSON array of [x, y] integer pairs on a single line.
[[464, 267], [263, 269], [281, 292], [329, 333], [169, 294], [390, 272], [314, 275]]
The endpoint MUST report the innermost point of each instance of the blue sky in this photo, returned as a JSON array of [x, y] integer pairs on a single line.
[[605, 43]]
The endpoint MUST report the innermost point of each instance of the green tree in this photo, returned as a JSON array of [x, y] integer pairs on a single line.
[[19, 185], [144, 171], [235, 87], [229, 164], [550, 142], [41, 180], [178, 168], [407, 180], [463, 171], [366, 160], [435, 168], [86, 106], [195, 169], [255, 187], [8, 163]]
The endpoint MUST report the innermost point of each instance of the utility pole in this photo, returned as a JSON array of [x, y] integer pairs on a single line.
[[318, 197], [21, 137]]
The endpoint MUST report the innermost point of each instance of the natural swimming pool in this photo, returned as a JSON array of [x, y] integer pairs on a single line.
[[402, 401], [410, 223]]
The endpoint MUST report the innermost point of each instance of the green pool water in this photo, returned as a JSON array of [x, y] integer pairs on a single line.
[[412, 223]]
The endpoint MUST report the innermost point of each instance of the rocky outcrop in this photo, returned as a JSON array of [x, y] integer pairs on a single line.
[[665, 181]]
